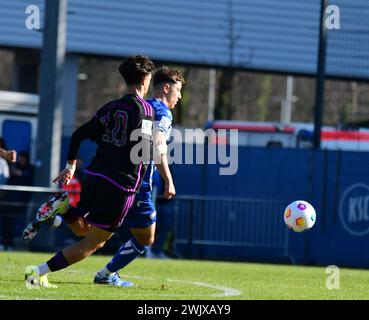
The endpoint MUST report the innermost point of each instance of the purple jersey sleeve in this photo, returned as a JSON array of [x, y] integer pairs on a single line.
[[90, 130]]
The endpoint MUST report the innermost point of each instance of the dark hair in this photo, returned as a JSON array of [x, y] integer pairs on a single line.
[[135, 68], [165, 74]]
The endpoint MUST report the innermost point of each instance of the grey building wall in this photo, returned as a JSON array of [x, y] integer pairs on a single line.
[[271, 35]]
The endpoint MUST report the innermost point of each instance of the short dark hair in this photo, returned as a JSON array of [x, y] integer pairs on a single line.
[[135, 68], [166, 74]]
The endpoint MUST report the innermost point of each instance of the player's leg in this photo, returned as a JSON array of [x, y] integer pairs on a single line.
[[127, 253], [38, 275], [133, 248], [141, 219], [94, 240], [104, 217], [59, 205], [144, 236], [80, 227], [74, 217]]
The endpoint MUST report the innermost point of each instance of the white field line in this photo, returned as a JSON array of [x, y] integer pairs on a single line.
[[224, 291]]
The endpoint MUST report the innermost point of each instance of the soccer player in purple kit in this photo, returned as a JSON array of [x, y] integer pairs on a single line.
[[112, 178], [141, 219]]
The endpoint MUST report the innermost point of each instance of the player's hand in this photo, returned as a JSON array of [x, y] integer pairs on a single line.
[[64, 177], [169, 191], [11, 155]]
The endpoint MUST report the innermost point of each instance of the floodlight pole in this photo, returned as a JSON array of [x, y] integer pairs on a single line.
[[319, 88], [49, 132]]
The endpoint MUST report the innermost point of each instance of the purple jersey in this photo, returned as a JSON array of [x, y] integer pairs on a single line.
[[111, 129]]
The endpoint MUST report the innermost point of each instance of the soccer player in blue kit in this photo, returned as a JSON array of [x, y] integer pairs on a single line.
[[141, 219]]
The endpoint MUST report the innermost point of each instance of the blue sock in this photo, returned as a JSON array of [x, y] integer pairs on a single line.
[[126, 254]]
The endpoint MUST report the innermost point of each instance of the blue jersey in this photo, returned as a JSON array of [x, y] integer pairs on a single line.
[[163, 122]]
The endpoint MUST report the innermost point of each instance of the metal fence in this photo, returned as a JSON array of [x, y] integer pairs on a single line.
[[18, 206], [236, 222]]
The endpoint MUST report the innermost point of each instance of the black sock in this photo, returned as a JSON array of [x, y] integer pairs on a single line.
[[57, 262]]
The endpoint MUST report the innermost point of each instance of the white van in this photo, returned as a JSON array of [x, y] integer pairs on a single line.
[[18, 121]]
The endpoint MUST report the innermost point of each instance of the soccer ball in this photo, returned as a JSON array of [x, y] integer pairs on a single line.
[[299, 216]]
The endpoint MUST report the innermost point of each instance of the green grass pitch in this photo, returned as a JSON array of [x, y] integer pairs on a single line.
[[181, 280]]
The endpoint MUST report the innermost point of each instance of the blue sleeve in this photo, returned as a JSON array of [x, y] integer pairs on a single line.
[[163, 120], [163, 116], [163, 123]]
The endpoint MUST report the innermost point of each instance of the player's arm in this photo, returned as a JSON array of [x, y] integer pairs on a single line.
[[161, 162], [87, 131], [10, 155]]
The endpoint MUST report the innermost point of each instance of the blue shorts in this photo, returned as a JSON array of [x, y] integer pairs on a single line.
[[141, 215]]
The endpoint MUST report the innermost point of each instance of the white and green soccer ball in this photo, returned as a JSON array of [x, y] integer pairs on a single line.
[[299, 216]]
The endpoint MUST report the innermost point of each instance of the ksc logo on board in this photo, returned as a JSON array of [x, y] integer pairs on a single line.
[[354, 209]]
